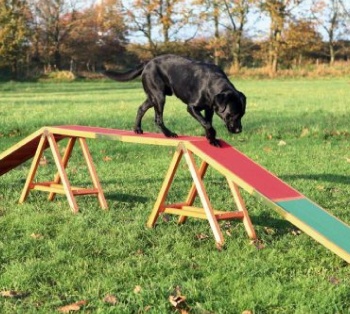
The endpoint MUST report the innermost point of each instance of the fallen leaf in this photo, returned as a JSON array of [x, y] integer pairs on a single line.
[[269, 231], [110, 299], [267, 149], [320, 187], [140, 252], [270, 137], [13, 294], [247, 312], [36, 236], [107, 158], [281, 143], [165, 218], [72, 307], [137, 289], [227, 224], [228, 233], [202, 236], [296, 232], [304, 132], [43, 161], [176, 301], [335, 281], [147, 308], [258, 244]]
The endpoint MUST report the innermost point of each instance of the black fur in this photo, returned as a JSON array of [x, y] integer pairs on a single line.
[[202, 86]]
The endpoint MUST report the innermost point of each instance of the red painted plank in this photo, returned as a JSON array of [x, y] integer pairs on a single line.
[[26, 149], [248, 171]]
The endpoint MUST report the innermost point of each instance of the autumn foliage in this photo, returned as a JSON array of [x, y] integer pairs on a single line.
[[41, 36]]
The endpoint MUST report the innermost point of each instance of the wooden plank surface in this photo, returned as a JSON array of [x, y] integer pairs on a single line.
[[22, 151], [243, 171], [320, 224], [26, 148]]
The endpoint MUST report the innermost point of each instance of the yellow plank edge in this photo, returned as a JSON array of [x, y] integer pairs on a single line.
[[23, 142]]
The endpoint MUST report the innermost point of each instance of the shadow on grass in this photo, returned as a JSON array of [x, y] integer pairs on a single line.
[[265, 220], [126, 198], [327, 177]]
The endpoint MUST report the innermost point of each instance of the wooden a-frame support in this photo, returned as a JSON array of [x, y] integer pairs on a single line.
[[60, 183], [187, 209]]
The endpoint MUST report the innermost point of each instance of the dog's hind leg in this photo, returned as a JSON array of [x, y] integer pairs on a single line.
[[158, 119], [140, 113]]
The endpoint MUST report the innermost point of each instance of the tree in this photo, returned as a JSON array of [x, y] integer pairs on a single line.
[[98, 38], [237, 12], [301, 39], [331, 15], [211, 11], [14, 33], [278, 11], [228, 19], [54, 20], [159, 21]]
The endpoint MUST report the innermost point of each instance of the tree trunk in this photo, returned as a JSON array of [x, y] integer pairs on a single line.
[[217, 34], [237, 54], [331, 54]]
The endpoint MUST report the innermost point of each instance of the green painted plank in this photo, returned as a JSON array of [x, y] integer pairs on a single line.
[[319, 220]]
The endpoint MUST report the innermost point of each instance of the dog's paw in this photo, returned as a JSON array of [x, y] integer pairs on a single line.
[[170, 134], [138, 131], [215, 142]]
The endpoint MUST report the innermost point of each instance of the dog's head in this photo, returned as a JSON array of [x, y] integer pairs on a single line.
[[230, 107]]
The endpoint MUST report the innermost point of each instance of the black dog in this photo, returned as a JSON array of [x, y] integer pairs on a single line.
[[200, 85]]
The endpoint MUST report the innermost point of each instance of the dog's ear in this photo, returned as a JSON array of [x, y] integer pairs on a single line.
[[243, 100], [220, 102]]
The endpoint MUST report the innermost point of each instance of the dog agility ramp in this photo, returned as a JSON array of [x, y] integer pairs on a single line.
[[239, 170]]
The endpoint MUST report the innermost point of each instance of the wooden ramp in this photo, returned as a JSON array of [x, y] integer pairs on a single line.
[[288, 202], [238, 169]]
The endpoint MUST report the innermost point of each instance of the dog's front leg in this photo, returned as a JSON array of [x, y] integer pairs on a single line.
[[206, 123]]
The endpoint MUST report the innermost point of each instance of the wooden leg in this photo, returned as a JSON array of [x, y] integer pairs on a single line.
[[65, 159], [241, 207], [193, 191], [93, 173], [169, 177], [62, 173], [203, 195], [33, 168]]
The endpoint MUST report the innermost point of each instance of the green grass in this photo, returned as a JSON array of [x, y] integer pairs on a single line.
[[55, 258]]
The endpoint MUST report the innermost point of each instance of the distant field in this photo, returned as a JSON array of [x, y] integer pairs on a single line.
[[298, 129]]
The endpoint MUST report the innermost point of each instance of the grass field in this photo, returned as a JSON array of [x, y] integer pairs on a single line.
[[109, 262]]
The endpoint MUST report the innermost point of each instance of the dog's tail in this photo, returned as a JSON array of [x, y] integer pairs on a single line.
[[126, 76]]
